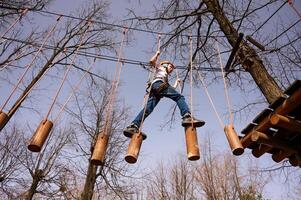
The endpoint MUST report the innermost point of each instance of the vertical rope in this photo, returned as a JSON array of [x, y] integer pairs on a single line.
[[28, 66], [190, 60], [147, 96], [67, 71], [210, 100], [291, 3], [115, 84], [225, 84], [13, 24], [73, 91]]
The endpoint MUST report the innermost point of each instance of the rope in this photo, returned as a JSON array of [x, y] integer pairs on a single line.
[[211, 101], [190, 60], [146, 97], [67, 71], [13, 24], [9, 6], [225, 85], [28, 66], [73, 91], [268, 19], [116, 80], [291, 3]]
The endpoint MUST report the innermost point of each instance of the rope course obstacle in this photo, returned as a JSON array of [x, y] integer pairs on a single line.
[[39, 137], [277, 129]]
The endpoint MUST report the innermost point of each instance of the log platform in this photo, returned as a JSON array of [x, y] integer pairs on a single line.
[[277, 129]]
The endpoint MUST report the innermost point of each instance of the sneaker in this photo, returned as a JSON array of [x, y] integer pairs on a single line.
[[188, 120], [130, 130]]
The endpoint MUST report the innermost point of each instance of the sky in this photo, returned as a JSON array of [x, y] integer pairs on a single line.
[[166, 143]]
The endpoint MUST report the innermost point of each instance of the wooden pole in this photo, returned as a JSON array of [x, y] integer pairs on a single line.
[[99, 151], [134, 148], [274, 142], [192, 147], [38, 139], [233, 140], [3, 120], [287, 123]]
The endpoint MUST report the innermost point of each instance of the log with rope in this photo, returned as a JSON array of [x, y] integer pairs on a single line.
[[5, 117], [99, 150], [41, 134]]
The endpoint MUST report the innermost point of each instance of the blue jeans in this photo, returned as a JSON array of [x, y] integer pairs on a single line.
[[154, 99]]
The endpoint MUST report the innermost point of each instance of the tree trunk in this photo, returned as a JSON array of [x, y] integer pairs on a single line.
[[87, 192], [34, 185], [247, 55]]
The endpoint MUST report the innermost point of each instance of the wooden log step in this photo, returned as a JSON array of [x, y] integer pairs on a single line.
[[286, 123]]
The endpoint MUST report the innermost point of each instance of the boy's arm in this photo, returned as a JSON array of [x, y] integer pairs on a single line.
[[153, 60], [178, 81]]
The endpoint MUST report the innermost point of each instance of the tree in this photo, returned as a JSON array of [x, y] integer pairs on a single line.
[[212, 21], [108, 180]]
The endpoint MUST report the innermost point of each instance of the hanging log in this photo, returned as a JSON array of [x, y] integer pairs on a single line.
[[192, 147], [40, 136], [287, 123], [134, 148], [233, 140], [3, 120], [99, 151]]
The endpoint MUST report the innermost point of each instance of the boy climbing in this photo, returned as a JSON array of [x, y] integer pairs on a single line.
[[160, 88]]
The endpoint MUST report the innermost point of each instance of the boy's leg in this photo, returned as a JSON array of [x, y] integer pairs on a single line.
[[171, 93], [134, 126]]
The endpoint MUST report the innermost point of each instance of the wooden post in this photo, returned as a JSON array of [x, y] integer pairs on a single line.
[[278, 157], [287, 123], [134, 148], [233, 140], [99, 151], [40, 136], [3, 119], [193, 152], [274, 142]]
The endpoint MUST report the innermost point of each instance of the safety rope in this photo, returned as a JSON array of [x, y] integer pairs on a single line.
[[291, 3], [190, 60], [211, 101], [225, 84], [146, 97], [13, 24], [67, 71], [73, 91], [29, 65], [115, 84]]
